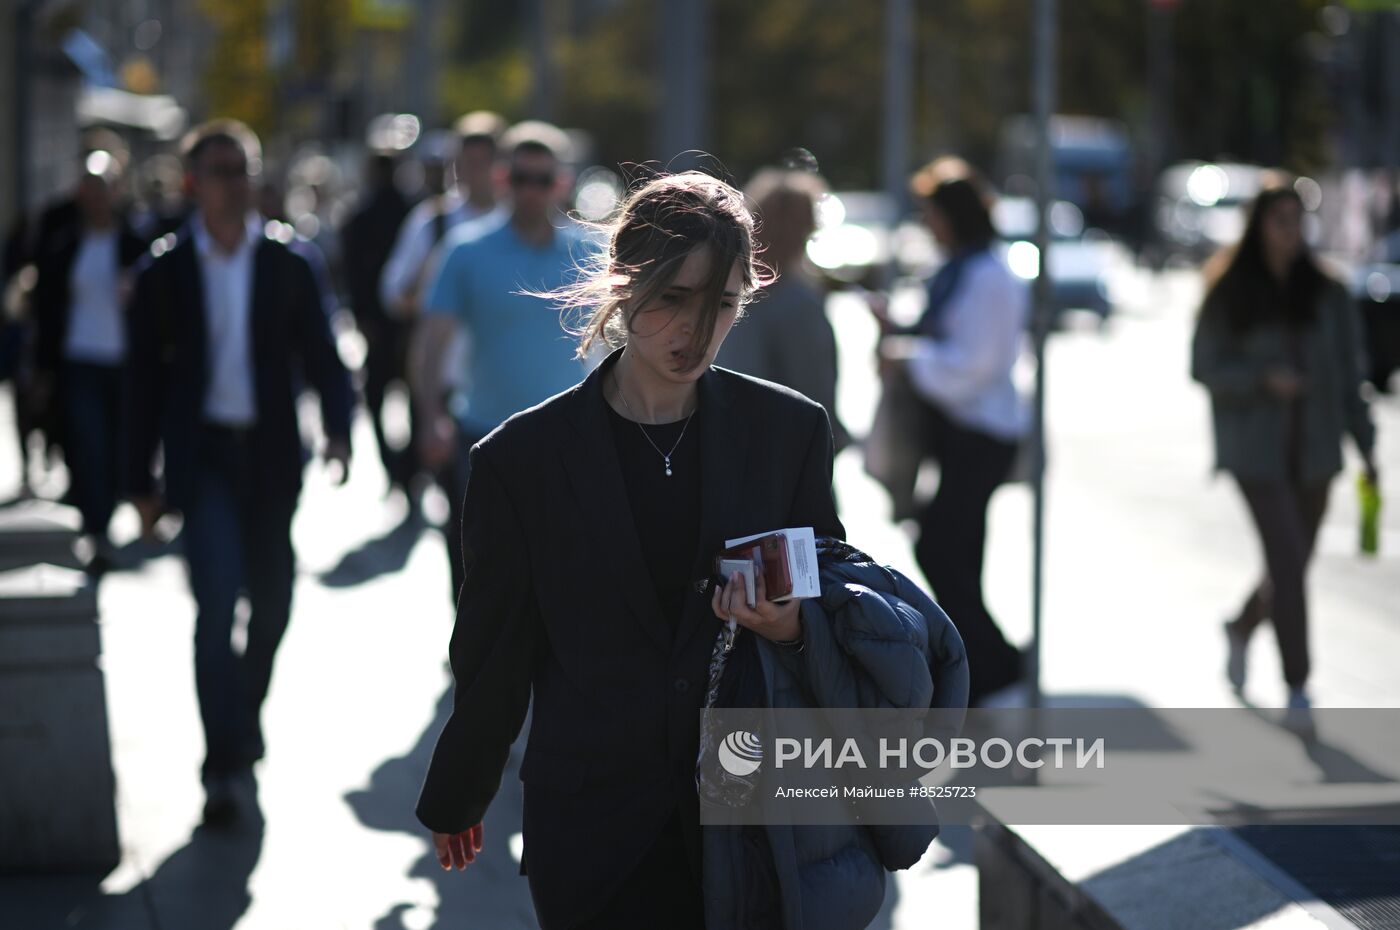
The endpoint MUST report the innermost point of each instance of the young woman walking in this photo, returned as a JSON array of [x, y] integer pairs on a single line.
[[590, 525], [1276, 345], [960, 359]]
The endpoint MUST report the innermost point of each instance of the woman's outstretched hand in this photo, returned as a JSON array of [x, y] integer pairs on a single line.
[[458, 850], [778, 622]]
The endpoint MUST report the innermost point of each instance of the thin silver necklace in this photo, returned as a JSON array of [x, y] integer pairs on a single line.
[[665, 456]]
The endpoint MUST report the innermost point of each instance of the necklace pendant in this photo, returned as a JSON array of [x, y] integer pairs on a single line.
[[668, 466]]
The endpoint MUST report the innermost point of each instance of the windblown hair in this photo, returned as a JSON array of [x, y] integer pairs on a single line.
[[658, 226], [1239, 283]]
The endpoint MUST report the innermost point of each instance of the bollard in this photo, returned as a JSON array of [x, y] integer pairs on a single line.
[[57, 790], [38, 531]]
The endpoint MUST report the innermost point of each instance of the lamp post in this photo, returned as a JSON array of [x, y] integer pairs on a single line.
[[898, 96], [1043, 92]]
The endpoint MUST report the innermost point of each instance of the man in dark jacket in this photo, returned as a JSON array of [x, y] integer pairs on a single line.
[[224, 323]]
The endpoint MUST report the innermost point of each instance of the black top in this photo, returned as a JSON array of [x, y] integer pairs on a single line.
[[665, 509]]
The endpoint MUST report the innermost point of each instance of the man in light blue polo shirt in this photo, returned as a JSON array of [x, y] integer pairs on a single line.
[[518, 351]]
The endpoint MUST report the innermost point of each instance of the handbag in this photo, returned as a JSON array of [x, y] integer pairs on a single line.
[[715, 784], [894, 447]]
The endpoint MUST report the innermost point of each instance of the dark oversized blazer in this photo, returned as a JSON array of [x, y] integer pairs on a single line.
[[557, 600], [169, 376], [53, 290]]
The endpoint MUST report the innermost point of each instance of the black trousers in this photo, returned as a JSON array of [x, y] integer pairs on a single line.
[[952, 543], [236, 541], [92, 396], [1286, 517], [662, 890], [386, 361]]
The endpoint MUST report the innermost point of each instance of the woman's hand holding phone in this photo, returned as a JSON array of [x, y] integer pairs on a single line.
[[778, 622]]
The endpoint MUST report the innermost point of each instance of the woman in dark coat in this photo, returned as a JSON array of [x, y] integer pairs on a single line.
[[1277, 347], [591, 522], [85, 271]]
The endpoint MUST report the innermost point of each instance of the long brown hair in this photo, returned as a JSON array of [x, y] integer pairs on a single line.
[[1239, 283], [959, 192], [658, 226]]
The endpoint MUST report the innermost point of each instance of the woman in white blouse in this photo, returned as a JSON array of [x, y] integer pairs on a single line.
[[959, 359], [84, 272]]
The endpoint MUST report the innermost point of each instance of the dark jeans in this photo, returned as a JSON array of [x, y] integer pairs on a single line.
[[952, 540], [93, 409], [235, 541], [453, 479], [1286, 517], [386, 359], [662, 891]]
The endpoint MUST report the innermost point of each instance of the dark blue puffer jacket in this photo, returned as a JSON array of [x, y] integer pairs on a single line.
[[873, 640]]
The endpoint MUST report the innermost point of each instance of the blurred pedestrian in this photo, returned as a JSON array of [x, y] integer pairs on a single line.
[[785, 336], [589, 519], [519, 352], [472, 196], [79, 301], [226, 324], [367, 238], [1277, 346], [41, 411], [272, 207], [57, 220], [959, 360], [161, 204]]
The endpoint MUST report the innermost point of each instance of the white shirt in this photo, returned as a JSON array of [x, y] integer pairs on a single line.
[[96, 326], [407, 269], [969, 374], [228, 286]]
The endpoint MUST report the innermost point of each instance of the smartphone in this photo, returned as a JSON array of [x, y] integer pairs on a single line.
[[745, 567]]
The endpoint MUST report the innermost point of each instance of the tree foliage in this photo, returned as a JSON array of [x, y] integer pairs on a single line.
[[1245, 81]]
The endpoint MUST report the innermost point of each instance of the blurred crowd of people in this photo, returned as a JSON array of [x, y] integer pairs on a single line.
[[441, 269], [162, 320]]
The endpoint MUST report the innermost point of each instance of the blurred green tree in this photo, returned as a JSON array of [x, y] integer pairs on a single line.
[[808, 73], [237, 81]]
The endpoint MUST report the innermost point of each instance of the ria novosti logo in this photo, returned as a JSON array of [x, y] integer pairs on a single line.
[[741, 753]]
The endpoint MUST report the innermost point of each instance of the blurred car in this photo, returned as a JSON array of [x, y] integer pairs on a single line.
[[1200, 206], [854, 241], [862, 240], [1079, 259], [1375, 285]]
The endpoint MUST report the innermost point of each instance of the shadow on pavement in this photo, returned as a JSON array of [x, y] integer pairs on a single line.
[[383, 555], [136, 553], [490, 893], [203, 884], [1336, 765]]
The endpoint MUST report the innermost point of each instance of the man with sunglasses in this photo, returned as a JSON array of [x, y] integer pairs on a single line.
[[519, 353], [225, 326]]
